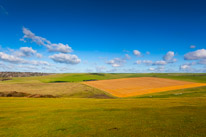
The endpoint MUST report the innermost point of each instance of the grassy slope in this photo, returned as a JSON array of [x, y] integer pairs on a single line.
[[98, 117]]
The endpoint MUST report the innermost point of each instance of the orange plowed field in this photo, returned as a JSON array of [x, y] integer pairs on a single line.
[[126, 87]]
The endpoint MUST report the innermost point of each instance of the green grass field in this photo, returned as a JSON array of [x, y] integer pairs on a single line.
[[80, 112], [103, 117]]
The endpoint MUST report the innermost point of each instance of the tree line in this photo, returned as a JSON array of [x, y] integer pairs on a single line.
[[8, 75]]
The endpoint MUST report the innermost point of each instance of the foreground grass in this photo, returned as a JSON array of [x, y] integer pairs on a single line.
[[173, 113], [103, 117]]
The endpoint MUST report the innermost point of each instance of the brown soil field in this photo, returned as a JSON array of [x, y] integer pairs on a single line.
[[127, 87]]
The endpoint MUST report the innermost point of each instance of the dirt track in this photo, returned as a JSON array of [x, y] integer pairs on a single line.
[[138, 86]]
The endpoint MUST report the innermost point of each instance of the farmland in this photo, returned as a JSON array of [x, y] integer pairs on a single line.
[[143, 85], [81, 110]]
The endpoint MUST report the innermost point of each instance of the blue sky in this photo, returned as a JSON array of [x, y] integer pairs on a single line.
[[103, 36]]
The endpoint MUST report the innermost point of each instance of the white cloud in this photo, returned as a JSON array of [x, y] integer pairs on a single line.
[[59, 48], [52, 47], [195, 55], [116, 62], [185, 67], [26, 52], [160, 62], [65, 58], [192, 46], [37, 39], [10, 58], [146, 62], [137, 53], [16, 60], [169, 56], [148, 53]]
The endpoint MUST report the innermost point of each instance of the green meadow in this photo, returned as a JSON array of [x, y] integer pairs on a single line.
[[81, 111]]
